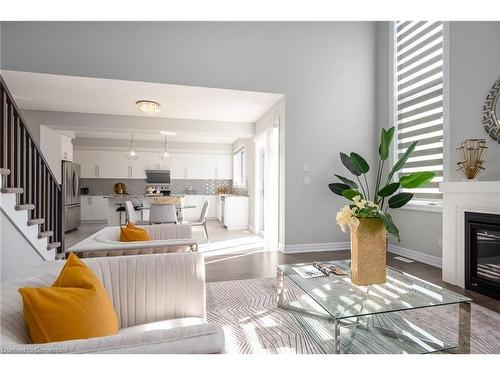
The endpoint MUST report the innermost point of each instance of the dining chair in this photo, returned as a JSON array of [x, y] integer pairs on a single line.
[[132, 216], [202, 221], [163, 213]]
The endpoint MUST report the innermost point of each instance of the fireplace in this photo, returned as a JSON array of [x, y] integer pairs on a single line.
[[482, 253]]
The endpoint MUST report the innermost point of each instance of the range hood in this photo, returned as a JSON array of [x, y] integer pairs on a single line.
[[158, 176]]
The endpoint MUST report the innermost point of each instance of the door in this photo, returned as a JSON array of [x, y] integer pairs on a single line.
[[261, 191]]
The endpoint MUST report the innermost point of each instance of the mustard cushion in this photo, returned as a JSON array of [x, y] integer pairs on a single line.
[[76, 306], [133, 233]]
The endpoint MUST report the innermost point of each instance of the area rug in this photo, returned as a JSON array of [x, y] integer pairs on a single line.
[[253, 324]]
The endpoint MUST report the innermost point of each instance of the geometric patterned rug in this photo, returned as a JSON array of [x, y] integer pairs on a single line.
[[253, 324]]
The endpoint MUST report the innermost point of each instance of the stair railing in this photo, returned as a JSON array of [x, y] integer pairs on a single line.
[[21, 154]]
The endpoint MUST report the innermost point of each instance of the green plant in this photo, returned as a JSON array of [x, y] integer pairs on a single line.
[[372, 204]]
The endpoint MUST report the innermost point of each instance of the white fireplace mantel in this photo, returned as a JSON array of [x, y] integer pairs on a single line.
[[458, 198]]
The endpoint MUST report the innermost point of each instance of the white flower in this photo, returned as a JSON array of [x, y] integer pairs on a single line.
[[346, 217]]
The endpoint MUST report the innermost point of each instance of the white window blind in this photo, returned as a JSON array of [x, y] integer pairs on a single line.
[[418, 89]]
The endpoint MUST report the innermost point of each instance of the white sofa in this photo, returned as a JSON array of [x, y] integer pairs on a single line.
[[159, 300], [164, 238]]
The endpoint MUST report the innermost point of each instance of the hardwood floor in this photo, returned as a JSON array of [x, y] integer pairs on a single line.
[[263, 265]]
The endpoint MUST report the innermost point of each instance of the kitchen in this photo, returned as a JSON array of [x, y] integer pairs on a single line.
[[195, 177], [117, 132]]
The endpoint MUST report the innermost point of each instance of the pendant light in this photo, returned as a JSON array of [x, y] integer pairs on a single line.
[[132, 153], [165, 154]]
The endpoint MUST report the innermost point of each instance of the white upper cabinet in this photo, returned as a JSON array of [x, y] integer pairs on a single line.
[[224, 167], [209, 166], [177, 166], [194, 166], [114, 164]]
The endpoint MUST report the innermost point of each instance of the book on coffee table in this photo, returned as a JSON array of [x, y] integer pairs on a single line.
[[308, 272]]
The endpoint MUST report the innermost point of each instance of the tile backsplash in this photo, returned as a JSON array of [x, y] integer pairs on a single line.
[[104, 186]]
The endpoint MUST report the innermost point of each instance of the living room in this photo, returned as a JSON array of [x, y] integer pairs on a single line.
[[375, 191]]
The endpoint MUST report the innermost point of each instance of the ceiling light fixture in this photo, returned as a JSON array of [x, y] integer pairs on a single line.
[[132, 153], [149, 107], [165, 154]]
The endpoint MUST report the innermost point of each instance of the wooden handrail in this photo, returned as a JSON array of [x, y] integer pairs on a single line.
[[24, 122], [21, 154]]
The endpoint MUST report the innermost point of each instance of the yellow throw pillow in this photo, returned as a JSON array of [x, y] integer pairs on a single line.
[[76, 306], [133, 233]]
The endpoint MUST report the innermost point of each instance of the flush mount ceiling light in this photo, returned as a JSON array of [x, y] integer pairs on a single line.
[[149, 107], [165, 154], [132, 153]]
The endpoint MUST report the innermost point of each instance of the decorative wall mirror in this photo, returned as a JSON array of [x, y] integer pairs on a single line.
[[491, 112]]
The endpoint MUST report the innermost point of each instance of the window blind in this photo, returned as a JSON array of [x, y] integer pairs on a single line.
[[418, 88]]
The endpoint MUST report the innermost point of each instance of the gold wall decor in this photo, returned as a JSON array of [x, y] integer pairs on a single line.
[[470, 157], [368, 252]]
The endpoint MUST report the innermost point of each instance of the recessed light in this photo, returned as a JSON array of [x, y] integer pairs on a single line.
[[166, 132]]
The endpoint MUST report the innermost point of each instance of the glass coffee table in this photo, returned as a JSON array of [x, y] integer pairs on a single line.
[[400, 316]]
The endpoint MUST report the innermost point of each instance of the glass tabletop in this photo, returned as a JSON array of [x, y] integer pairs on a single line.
[[341, 299]]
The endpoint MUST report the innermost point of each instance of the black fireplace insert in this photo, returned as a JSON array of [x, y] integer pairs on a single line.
[[482, 253]]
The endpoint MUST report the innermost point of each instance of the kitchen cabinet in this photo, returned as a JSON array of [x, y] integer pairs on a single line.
[[93, 208], [211, 214], [154, 161], [224, 167], [177, 166], [88, 161], [194, 166], [209, 167], [192, 200], [235, 212], [198, 201], [114, 164], [66, 148], [218, 207]]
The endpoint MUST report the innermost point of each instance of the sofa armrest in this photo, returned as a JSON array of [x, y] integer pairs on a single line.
[[207, 338], [149, 288]]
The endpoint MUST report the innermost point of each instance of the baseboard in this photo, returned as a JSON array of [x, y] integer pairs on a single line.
[[251, 228], [315, 247], [416, 255], [338, 246]]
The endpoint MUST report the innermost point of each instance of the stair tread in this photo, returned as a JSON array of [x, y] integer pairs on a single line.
[[53, 245], [27, 206], [45, 234], [36, 221], [4, 171], [15, 190]]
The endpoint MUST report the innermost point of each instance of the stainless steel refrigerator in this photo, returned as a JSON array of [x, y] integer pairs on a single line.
[[71, 195]]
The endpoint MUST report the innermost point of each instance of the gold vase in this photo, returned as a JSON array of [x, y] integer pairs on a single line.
[[368, 252]]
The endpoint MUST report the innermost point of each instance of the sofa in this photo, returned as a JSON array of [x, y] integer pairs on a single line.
[[164, 238], [159, 300]]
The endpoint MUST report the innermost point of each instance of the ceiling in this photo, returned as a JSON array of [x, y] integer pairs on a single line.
[[48, 92]]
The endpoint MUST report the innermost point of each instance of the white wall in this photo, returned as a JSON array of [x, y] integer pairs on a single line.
[[16, 253], [50, 145], [474, 56], [325, 70]]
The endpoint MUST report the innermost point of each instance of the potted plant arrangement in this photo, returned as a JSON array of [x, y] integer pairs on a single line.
[[367, 214]]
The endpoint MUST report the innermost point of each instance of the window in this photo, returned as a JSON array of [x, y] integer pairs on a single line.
[[418, 100], [239, 168]]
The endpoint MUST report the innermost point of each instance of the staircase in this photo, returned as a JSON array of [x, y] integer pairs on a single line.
[[30, 195]]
